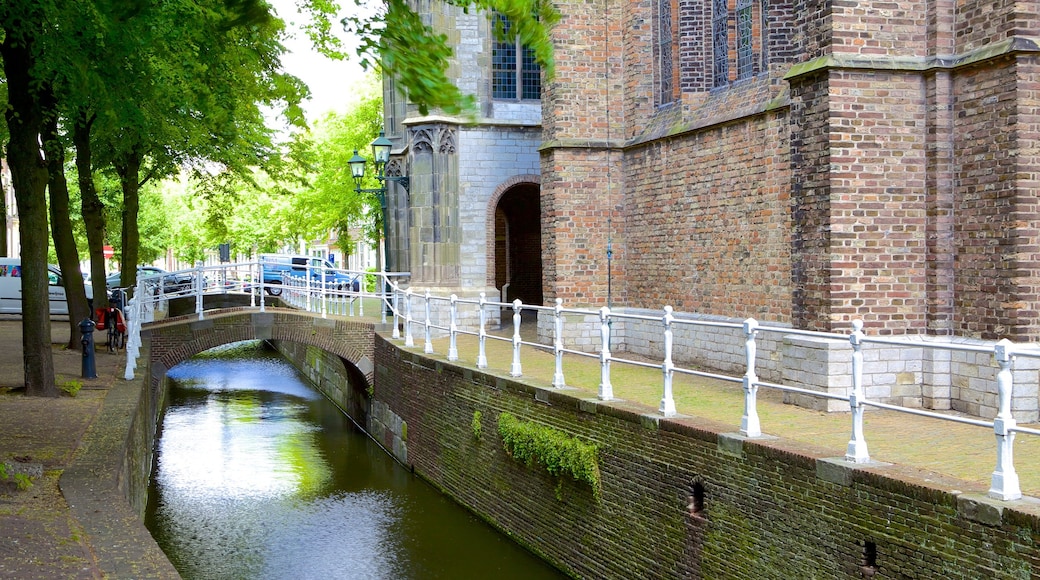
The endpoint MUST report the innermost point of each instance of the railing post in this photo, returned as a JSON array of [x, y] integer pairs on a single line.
[[1004, 483], [408, 340], [749, 423], [306, 287], [198, 290], [262, 286], [397, 313], [667, 368], [606, 390], [515, 370], [857, 449], [558, 381], [453, 330], [323, 293], [428, 346], [482, 362]]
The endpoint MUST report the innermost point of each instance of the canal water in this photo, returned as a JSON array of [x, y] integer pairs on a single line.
[[259, 476]]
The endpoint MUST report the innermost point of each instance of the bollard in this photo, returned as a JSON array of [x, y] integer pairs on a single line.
[[86, 328]]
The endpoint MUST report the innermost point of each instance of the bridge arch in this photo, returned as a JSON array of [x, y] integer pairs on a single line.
[[175, 340]]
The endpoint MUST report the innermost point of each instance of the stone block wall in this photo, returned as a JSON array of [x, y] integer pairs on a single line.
[[680, 499]]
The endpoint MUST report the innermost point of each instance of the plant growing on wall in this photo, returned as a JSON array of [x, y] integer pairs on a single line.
[[559, 453], [476, 425]]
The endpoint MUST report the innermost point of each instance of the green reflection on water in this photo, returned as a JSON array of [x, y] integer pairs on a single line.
[[257, 476]]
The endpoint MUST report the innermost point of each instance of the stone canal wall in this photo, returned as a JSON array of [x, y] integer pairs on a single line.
[[682, 498]]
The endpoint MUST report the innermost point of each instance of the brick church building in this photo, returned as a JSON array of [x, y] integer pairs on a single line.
[[804, 164]]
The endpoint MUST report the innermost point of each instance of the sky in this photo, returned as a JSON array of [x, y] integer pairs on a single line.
[[330, 81]]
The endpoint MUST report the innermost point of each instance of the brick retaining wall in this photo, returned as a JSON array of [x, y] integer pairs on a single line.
[[684, 498]]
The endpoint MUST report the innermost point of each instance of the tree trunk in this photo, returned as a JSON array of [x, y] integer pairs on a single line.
[[61, 222], [29, 177], [129, 179], [93, 209], [3, 217]]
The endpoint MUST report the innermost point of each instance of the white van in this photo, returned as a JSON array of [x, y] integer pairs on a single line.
[[11, 288]]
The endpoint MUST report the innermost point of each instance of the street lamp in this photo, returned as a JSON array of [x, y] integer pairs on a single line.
[[381, 155]]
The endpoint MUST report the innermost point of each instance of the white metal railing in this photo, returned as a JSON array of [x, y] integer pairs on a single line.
[[309, 293], [316, 289], [1004, 480]]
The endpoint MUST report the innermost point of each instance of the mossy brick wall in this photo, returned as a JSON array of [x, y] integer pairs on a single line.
[[175, 340], [683, 499]]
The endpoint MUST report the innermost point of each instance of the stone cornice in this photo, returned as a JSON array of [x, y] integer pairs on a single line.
[[582, 144], [1008, 47]]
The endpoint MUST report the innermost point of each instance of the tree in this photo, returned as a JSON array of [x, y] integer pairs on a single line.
[[61, 223], [23, 22], [330, 203]]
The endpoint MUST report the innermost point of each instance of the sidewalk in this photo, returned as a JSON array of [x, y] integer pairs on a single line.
[[43, 534]]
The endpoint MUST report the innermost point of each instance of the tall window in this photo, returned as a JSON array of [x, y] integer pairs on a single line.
[[745, 48], [720, 42], [664, 64], [514, 73]]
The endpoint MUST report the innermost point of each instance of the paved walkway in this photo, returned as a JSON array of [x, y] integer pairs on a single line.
[[73, 522]]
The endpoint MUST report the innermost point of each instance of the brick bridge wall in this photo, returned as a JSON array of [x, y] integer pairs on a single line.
[[684, 498], [178, 339]]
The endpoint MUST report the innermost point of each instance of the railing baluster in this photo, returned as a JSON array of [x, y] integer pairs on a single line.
[[1004, 483], [453, 331], [397, 315], [428, 345], [749, 423], [606, 391], [408, 340], [667, 368], [857, 449], [558, 381], [263, 287], [515, 370], [482, 362], [198, 290]]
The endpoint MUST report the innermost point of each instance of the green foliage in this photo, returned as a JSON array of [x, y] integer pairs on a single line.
[[329, 202], [71, 387], [418, 57], [21, 480], [476, 425], [559, 453]]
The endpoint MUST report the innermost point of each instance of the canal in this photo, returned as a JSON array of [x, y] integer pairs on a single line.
[[257, 475]]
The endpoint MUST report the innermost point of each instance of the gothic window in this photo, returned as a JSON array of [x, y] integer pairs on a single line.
[[742, 23], [664, 63], [514, 73], [720, 42], [745, 55]]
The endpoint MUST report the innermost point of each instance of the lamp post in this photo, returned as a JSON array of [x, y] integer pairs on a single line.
[[381, 155]]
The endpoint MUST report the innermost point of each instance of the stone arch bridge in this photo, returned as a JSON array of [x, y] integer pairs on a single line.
[[175, 340]]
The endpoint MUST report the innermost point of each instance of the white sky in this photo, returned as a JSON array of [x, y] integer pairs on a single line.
[[331, 82]]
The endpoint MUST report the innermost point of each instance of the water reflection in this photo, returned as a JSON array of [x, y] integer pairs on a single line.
[[258, 476]]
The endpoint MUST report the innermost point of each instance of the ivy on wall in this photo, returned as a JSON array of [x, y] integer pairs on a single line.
[[559, 453]]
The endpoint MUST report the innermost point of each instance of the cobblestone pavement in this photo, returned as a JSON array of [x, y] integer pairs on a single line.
[[42, 534]]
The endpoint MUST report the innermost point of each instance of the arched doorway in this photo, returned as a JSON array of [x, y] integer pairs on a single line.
[[518, 244]]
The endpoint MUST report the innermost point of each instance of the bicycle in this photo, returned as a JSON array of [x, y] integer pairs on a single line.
[[111, 320]]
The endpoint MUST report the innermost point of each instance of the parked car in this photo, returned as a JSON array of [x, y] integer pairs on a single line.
[[274, 266], [11, 288], [171, 283]]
